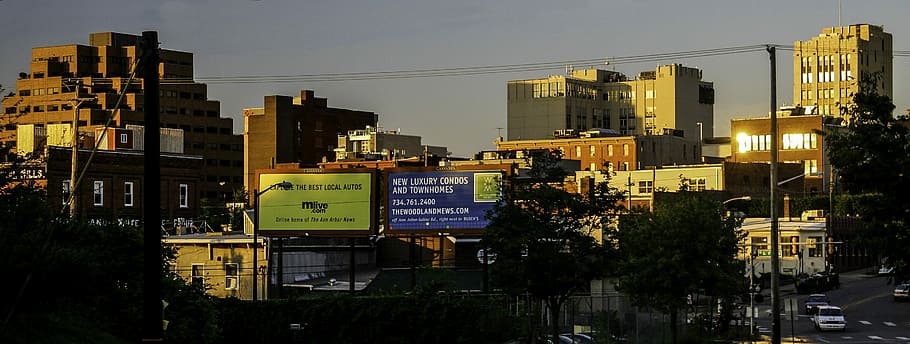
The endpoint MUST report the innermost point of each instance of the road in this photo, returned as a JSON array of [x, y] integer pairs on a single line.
[[872, 315]]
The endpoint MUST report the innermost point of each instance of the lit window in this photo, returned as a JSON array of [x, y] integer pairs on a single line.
[[124, 138], [128, 194], [184, 196], [67, 187], [98, 193], [231, 276]]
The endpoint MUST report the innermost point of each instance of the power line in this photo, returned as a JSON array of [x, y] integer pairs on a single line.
[[481, 70], [464, 71]]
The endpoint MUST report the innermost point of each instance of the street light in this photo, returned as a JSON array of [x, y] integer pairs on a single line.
[[284, 185], [741, 198]]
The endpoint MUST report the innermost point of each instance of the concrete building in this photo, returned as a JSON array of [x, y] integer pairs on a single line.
[[302, 130], [373, 143], [827, 69], [730, 179], [799, 143], [85, 81], [598, 150], [670, 97]]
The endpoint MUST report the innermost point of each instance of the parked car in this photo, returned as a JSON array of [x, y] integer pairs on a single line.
[[814, 301], [829, 318], [901, 292]]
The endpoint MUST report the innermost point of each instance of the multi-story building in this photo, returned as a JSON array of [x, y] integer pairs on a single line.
[[600, 150], [827, 69], [798, 140], [376, 144], [301, 130], [670, 97], [84, 81]]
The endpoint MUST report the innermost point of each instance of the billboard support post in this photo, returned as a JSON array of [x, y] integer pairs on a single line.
[[413, 253], [283, 185], [353, 262]]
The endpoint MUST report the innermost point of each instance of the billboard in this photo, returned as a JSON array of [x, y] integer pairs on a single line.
[[441, 200], [317, 203]]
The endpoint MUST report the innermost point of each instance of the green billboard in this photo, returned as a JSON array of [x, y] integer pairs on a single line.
[[316, 203]]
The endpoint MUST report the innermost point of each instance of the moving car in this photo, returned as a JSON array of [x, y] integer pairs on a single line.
[[901, 292], [829, 318], [814, 301], [885, 270]]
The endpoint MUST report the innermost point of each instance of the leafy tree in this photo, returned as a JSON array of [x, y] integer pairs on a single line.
[[872, 156], [73, 282], [685, 247], [543, 236]]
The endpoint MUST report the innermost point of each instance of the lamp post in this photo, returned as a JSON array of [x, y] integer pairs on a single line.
[[283, 185]]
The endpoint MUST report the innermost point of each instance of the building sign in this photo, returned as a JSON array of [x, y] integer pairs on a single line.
[[316, 203], [441, 200]]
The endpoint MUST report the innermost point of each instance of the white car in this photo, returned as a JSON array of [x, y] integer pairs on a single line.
[[829, 318]]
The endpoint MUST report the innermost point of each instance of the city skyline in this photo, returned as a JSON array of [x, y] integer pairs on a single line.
[[280, 38]]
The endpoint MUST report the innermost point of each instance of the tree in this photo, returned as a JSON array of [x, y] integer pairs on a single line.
[[685, 247], [70, 281], [543, 237], [871, 156]]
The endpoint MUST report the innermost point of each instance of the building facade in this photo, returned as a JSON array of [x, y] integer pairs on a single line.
[[620, 153], [671, 97], [827, 69], [373, 143], [84, 81], [799, 140], [299, 130]]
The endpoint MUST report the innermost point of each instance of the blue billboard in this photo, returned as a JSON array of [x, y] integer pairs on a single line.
[[437, 200]]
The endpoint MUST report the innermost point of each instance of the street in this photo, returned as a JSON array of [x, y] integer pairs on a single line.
[[871, 314]]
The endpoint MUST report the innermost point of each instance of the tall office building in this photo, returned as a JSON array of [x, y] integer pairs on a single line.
[[827, 69], [85, 80], [671, 97]]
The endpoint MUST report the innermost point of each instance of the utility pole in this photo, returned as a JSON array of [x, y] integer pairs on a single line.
[[152, 308], [775, 241], [77, 102]]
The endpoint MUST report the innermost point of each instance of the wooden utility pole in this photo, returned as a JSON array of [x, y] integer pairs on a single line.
[[152, 307], [775, 241]]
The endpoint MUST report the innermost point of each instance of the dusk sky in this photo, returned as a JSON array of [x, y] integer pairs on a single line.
[[290, 37]]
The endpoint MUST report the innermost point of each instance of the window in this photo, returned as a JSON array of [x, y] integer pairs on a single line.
[[592, 150], [625, 166], [231, 276], [98, 193], [625, 149], [610, 150], [814, 247], [760, 244], [645, 187], [65, 194], [577, 151], [184, 196], [124, 138], [128, 194], [697, 184], [198, 274]]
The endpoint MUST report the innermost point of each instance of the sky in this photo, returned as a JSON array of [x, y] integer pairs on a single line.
[[232, 38]]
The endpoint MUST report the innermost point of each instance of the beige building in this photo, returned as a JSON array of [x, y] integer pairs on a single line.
[[827, 69], [220, 261], [374, 143], [85, 80], [671, 97]]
